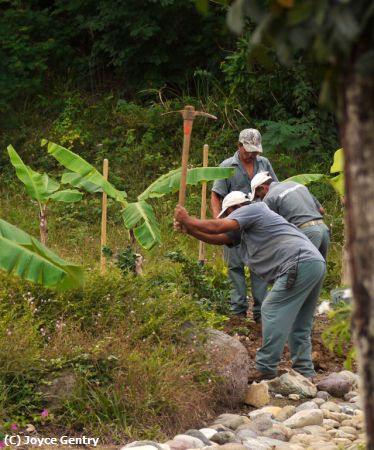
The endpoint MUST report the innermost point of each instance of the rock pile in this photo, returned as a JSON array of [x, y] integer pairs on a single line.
[[320, 422]]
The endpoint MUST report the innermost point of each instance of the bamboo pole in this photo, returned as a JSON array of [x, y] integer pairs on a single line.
[[103, 220], [203, 204]]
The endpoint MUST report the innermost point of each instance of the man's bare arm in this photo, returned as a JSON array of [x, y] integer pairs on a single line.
[[216, 239], [212, 226], [215, 204]]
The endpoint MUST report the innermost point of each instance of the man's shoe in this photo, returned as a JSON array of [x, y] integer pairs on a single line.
[[259, 375]]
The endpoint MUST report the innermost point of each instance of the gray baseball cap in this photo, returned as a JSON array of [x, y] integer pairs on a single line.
[[251, 140]]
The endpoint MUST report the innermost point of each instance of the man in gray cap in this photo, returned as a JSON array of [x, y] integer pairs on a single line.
[[247, 163], [281, 254], [295, 203]]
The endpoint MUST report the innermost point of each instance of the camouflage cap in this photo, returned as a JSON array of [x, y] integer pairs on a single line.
[[251, 140]]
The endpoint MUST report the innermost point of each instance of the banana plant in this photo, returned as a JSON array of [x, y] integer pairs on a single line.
[[138, 216], [337, 181], [41, 188], [23, 255]]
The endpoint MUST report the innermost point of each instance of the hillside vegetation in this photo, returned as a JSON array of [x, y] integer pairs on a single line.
[[97, 78]]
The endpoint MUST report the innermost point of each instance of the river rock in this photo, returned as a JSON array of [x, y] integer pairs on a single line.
[[144, 445], [199, 435], [231, 446], [323, 394], [208, 432], [225, 437], [285, 413], [330, 406], [229, 360], [191, 441], [270, 410], [254, 444], [352, 377], [232, 421], [306, 405], [257, 395], [245, 433], [304, 418], [335, 384], [177, 445], [292, 383]]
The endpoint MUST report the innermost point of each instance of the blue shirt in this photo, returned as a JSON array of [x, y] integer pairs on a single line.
[[270, 244], [241, 181]]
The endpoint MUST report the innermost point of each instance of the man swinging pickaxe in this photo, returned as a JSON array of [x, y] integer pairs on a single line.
[[188, 114]]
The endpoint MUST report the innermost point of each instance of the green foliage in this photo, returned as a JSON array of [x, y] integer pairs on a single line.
[[337, 34], [123, 259], [26, 257], [336, 182], [169, 183], [41, 187], [210, 289], [130, 348], [80, 166], [282, 103], [43, 43], [338, 337]]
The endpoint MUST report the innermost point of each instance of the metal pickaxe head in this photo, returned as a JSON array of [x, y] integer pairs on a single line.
[[189, 114]]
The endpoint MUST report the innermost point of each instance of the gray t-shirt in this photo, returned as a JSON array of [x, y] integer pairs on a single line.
[[270, 244], [293, 201], [241, 181]]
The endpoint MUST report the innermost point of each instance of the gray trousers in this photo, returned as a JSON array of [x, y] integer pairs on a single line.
[[320, 236], [235, 263], [287, 315]]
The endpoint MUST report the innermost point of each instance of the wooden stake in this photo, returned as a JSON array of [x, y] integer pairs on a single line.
[[203, 204], [103, 220]]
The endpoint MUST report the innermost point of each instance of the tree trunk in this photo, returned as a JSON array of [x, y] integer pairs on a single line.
[[358, 143]]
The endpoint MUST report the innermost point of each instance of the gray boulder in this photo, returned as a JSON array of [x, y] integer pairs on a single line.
[[228, 359]]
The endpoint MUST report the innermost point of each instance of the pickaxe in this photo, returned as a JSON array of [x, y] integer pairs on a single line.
[[188, 114], [203, 205]]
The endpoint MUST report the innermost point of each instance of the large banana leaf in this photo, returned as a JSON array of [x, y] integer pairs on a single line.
[[38, 186], [169, 182], [67, 196], [74, 179], [338, 164], [26, 257], [337, 182], [306, 178], [78, 165], [140, 218]]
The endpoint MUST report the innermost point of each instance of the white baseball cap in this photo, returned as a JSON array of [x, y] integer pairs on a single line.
[[257, 180], [251, 140], [232, 199]]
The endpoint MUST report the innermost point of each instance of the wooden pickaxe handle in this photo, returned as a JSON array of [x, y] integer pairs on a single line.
[[188, 118], [189, 115], [203, 205]]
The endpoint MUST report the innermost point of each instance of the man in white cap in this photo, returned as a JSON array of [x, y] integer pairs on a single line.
[[247, 163], [282, 255], [295, 203]]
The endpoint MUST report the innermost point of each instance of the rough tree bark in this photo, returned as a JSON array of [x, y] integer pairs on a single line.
[[358, 143]]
